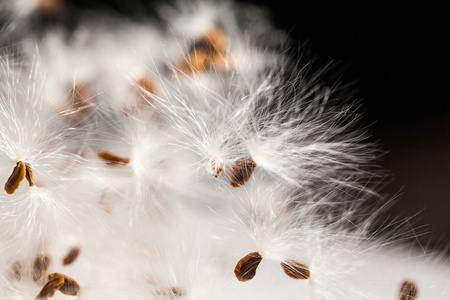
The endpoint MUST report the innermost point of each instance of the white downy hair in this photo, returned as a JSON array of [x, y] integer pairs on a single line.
[[191, 160]]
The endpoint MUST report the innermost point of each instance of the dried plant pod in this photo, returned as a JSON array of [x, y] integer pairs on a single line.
[[408, 290], [113, 159], [53, 284], [69, 287], [71, 256], [216, 168], [29, 174], [242, 171], [246, 267], [295, 270], [40, 266], [18, 174]]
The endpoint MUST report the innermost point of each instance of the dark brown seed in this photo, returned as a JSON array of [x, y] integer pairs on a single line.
[[29, 174], [54, 283], [18, 174], [40, 266], [295, 269], [241, 172], [408, 290], [71, 256], [113, 159], [70, 286], [246, 267]]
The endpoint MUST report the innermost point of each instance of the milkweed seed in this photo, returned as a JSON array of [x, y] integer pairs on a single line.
[[113, 159], [295, 269], [246, 267], [16, 270], [29, 174], [216, 167], [146, 85], [53, 284], [408, 290], [40, 266], [71, 256], [70, 286], [241, 172], [18, 174]]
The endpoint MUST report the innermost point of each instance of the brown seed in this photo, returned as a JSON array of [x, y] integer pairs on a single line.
[[40, 266], [54, 283], [295, 269], [70, 286], [246, 267], [408, 290], [241, 172], [216, 167], [113, 159], [16, 270], [18, 174], [146, 85], [71, 256], [29, 174]]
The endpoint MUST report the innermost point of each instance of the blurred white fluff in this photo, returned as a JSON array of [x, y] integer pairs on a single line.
[[163, 155]]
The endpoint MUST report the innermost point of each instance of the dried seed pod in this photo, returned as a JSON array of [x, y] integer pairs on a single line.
[[216, 168], [295, 270], [53, 284], [408, 290], [113, 159], [241, 172], [29, 174], [40, 266], [246, 267], [18, 174], [71, 256], [69, 287]]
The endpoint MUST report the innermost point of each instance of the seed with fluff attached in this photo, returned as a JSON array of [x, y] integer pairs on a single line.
[[71, 256], [40, 266], [113, 159], [61, 282], [408, 290], [295, 270], [246, 267], [29, 174], [18, 174], [242, 171]]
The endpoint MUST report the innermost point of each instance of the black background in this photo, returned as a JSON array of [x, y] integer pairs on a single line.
[[397, 54]]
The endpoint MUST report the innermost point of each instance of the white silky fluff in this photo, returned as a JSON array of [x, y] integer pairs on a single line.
[[162, 226]]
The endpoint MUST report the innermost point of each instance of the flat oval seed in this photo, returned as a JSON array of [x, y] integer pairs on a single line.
[[241, 172], [408, 290], [113, 159], [295, 270], [70, 286], [71, 256], [40, 266], [18, 174], [49, 289], [246, 267], [29, 174]]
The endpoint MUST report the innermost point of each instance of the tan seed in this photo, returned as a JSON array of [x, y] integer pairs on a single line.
[[49, 289], [29, 174], [113, 159]]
